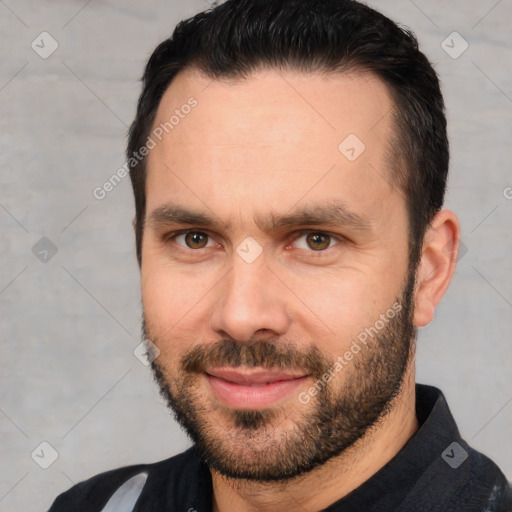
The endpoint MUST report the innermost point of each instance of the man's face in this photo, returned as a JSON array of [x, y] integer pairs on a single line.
[[290, 254]]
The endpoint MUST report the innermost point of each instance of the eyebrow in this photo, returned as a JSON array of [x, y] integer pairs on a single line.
[[334, 214]]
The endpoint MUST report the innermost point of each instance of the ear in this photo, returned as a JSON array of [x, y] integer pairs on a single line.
[[437, 265]]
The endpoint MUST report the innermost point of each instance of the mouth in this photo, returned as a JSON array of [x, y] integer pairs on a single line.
[[252, 388]]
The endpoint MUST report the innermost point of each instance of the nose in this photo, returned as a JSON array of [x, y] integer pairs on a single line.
[[250, 302]]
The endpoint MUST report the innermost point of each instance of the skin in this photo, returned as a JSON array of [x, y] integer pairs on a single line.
[[265, 144]]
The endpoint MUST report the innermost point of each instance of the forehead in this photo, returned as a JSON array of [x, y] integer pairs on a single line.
[[275, 134]]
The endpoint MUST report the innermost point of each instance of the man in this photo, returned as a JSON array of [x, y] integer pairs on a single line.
[[289, 161]]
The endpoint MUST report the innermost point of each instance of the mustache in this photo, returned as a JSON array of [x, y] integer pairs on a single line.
[[262, 353]]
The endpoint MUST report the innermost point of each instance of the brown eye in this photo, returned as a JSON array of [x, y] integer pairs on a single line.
[[318, 241], [195, 239]]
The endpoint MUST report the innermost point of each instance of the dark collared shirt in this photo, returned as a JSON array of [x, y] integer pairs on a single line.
[[436, 471]]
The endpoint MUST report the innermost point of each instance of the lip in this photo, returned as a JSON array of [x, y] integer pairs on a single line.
[[252, 388]]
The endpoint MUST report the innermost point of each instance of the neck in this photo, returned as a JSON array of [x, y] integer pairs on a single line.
[[332, 481]]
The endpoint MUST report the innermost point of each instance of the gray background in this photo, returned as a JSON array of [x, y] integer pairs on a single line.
[[70, 323]]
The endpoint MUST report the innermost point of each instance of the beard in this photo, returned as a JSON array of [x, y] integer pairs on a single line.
[[283, 442]]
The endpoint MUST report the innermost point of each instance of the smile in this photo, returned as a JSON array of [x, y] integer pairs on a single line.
[[252, 388]]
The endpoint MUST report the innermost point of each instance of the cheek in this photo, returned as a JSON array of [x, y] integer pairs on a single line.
[[175, 304], [340, 305]]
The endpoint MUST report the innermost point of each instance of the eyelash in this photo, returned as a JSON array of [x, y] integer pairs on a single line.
[[171, 237]]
